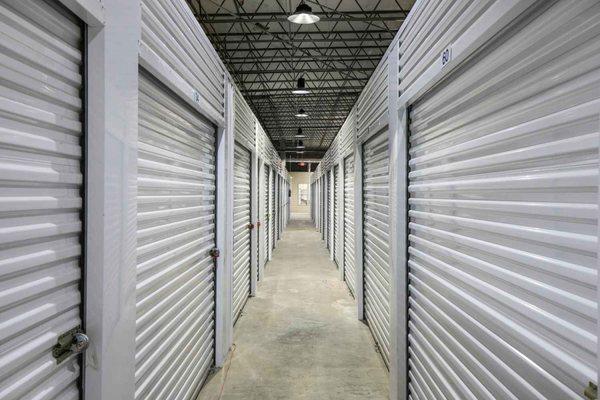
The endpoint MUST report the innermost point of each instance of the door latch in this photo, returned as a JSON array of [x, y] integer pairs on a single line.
[[71, 342], [215, 253], [591, 392], [250, 226], [257, 224]]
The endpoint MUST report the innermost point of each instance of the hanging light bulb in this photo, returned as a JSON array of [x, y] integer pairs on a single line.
[[303, 15], [301, 87], [299, 134], [300, 144], [301, 113]]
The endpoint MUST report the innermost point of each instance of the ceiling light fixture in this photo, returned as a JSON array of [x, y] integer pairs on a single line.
[[303, 15], [299, 134], [300, 144], [301, 87], [301, 113]]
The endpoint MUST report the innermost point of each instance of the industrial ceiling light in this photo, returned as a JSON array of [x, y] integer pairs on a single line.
[[301, 113], [299, 134], [303, 15], [300, 144], [301, 87]]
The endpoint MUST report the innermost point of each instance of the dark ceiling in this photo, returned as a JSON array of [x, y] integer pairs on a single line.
[[266, 55]]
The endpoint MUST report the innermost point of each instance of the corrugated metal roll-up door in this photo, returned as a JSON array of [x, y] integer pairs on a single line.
[[175, 291], [241, 232], [336, 211], [41, 182], [349, 269], [503, 212], [376, 247]]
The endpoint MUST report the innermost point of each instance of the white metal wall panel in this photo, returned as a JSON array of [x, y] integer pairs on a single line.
[[503, 216], [376, 247], [40, 197], [372, 105], [328, 209], [244, 124], [336, 211], [176, 232], [433, 25], [242, 165], [349, 266], [172, 32]]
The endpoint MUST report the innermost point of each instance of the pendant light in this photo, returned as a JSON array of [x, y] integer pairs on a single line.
[[301, 87], [303, 15], [300, 134], [300, 144], [301, 113]]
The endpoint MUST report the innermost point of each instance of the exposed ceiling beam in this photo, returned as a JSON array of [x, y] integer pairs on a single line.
[[300, 70], [320, 48], [303, 33]]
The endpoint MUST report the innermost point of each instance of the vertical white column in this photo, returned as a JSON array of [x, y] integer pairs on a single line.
[[341, 213], [224, 232], [331, 211], [358, 231], [398, 231], [270, 207], [254, 218], [110, 200]]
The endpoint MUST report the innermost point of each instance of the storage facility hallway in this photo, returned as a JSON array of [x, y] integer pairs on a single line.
[[299, 338]]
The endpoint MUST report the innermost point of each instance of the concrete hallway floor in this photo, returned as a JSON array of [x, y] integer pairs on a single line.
[[299, 337]]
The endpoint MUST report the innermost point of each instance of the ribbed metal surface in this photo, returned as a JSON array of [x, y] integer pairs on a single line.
[[376, 247], [40, 197], [245, 122], [174, 341], [432, 26], [503, 216], [328, 209], [349, 266], [372, 105], [241, 233], [267, 220], [171, 31], [273, 215], [336, 211]]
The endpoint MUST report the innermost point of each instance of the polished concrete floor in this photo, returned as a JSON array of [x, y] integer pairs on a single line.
[[299, 337]]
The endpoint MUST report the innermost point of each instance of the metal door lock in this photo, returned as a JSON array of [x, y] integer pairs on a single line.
[[257, 224], [250, 226], [215, 253], [71, 342], [591, 392]]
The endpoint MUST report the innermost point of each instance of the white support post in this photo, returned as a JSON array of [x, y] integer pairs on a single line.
[[398, 230], [270, 207], [112, 49], [359, 264], [341, 213], [224, 233], [254, 218], [331, 211]]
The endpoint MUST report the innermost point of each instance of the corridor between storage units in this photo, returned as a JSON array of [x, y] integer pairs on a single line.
[[299, 338]]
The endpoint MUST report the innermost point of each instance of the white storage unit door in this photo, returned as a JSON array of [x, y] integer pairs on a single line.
[[336, 210], [349, 269], [376, 247], [241, 232], [267, 222], [503, 216], [41, 183], [175, 291]]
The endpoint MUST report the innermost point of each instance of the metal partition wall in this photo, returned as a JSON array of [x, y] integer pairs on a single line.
[[376, 241], [175, 296], [273, 213], [348, 221], [41, 165], [503, 215], [241, 228]]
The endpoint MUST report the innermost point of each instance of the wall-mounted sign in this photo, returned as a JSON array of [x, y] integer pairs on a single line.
[[446, 56]]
